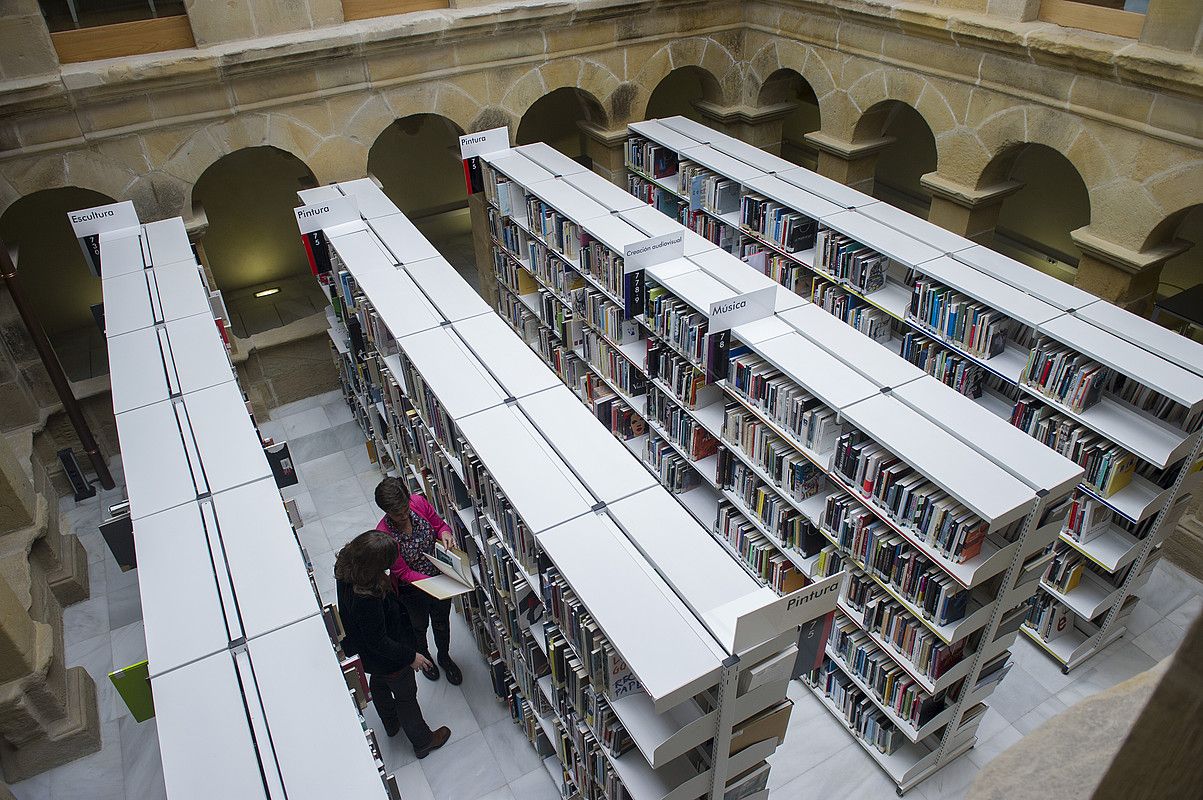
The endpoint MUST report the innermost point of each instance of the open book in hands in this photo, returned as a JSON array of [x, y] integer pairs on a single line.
[[457, 573]]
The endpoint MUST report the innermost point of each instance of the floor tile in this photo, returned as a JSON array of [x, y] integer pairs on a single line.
[[512, 749], [313, 445], [302, 423], [848, 772], [313, 538], [463, 770], [823, 742], [985, 751], [1017, 694], [1039, 715], [1161, 640], [98, 776], [357, 456], [343, 526], [337, 496], [305, 506], [503, 793], [86, 619], [93, 542], [97, 578], [535, 785], [411, 780], [1168, 588], [304, 404], [141, 763], [444, 704], [349, 435], [369, 479], [35, 788], [270, 429], [128, 644], [1045, 670], [323, 470], [1184, 615], [125, 606], [949, 783], [338, 413]]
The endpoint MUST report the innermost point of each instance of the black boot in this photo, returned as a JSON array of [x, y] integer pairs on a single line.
[[432, 674], [454, 676]]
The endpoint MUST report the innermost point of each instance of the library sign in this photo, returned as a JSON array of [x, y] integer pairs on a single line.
[[638, 256], [741, 309], [481, 143], [326, 214], [786, 613], [90, 223]]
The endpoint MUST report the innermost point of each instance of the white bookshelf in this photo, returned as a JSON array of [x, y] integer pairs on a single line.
[[230, 646], [485, 408], [1144, 511], [848, 374]]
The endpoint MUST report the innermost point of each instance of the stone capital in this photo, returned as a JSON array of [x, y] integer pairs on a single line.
[[609, 137], [967, 196], [849, 151], [742, 114], [1131, 261]]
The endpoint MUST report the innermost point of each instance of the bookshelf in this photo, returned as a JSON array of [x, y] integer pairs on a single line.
[[746, 471], [555, 513], [1131, 415], [231, 646]]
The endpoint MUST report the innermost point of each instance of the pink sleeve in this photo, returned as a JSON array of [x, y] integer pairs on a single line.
[[426, 511], [400, 571]]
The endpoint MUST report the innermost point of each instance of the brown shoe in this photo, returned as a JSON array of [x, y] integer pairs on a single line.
[[437, 739]]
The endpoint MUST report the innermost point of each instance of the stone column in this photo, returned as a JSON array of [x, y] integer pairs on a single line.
[[48, 713], [28, 49], [1175, 25], [607, 149], [482, 245], [1125, 277], [969, 212], [850, 163], [760, 127]]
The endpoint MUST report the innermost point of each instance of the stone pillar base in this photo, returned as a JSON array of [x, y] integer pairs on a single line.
[[851, 163], [69, 582], [74, 736], [1126, 277], [482, 245], [608, 151], [760, 127], [969, 212]]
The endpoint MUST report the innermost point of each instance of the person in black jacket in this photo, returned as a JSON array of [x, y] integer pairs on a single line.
[[379, 632]]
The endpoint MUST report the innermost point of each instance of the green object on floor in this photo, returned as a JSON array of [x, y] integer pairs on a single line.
[[133, 683]]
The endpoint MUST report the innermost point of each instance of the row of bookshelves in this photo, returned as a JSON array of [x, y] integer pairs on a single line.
[[230, 647], [1119, 396], [546, 498], [678, 297]]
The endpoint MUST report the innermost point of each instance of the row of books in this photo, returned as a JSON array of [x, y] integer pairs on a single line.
[[947, 366], [556, 274], [909, 638], [1065, 376], [675, 321], [848, 260], [679, 426], [1109, 467], [707, 190], [761, 502], [664, 201], [762, 556], [794, 475], [709, 228], [651, 158], [894, 688], [812, 424], [840, 303], [612, 364], [1146, 398], [972, 326], [673, 470], [507, 524], [860, 713], [791, 231], [680, 377], [556, 230]]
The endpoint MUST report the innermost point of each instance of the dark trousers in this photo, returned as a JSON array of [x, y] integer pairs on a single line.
[[396, 700], [425, 611]]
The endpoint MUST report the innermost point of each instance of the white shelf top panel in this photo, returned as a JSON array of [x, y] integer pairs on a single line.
[[168, 242], [752, 156], [761, 329], [723, 164], [601, 461], [256, 533], [314, 723], [121, 252], [1045, 287], [318, 194], [695, 244], [229, 446], [793, 197], [514, 365], [694, 130], [882, 238], [989, 491], [658, 132], [148, 365], [828, 378], [550, 159], [400, 303], [1026, 458], [1169, 379], [697, 288], [462, 384], [157, 472], [826, 188], [139, 299], [1173, 347], [691, 560], [916, 227], [517, 167], [568, 200], [1014, 303], [449, 292], [664, 644], [370, 198], [541, 487], [181, 604], [614, 232], [402, 238], [603, 191], [877, 363], [182, 290], [650, 221], [743, 278], [361, 253], [202, 723]]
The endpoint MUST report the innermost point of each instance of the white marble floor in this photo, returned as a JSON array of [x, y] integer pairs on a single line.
[[488, 758]]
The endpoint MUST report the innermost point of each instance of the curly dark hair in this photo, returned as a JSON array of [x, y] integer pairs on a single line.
[[392, 496], [364, 562]]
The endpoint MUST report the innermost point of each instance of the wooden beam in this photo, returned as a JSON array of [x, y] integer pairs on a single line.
[[123, 39], [370, 9], [1075, 14]]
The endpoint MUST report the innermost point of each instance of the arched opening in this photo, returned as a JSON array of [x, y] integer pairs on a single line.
[[553, 119], [1035, 221], [678, 92], [55, 279], [786, 87], [910, 154], [252, 245], [1182, 273]]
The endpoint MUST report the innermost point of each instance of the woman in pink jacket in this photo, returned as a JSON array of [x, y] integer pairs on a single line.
[[412, 521]]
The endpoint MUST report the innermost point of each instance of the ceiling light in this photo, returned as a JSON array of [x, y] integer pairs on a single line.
[[267, 292]]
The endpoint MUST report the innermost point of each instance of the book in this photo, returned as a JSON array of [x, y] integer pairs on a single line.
[[457, 576]]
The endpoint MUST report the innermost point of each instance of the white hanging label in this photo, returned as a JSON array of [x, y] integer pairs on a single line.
[[478, 144], [791, 611], [641, 255], [327, 214], [111, 217], [741, 309]]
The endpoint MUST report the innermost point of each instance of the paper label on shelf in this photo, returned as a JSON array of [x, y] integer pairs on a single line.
[[649, 252], [478, 144], [111, 217], [791, 611], [743, 308], [326, 214]]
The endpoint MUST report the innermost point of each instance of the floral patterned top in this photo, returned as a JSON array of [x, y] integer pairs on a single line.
[[412, 563]]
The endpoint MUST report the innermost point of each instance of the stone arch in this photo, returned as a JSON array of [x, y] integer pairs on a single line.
[[786, 88], [554, 118], [1185, 270], [678, 91], [705, 60], [88, 169], [1035, 221], [54, 278], [251, 244], [805, 61], [910, 153], [416, 159]]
